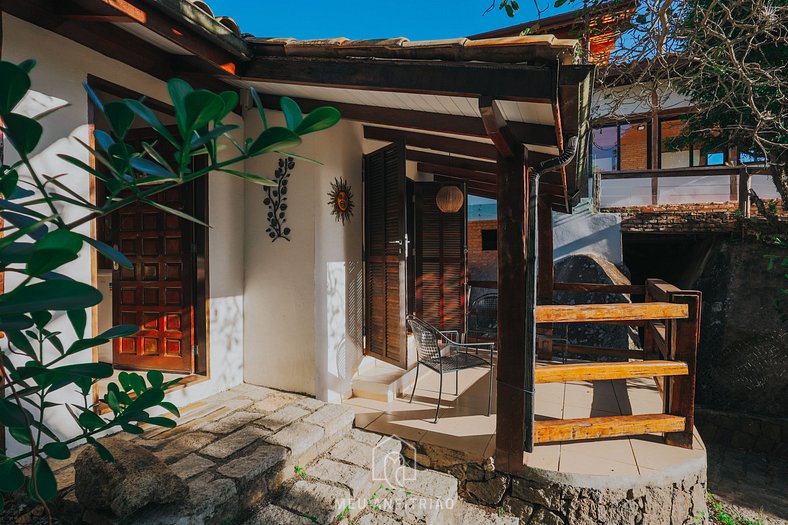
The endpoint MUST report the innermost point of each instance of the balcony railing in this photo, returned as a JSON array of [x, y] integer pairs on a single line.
[[678, 191]]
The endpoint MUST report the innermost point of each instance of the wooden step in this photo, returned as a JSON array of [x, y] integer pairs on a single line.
[[601, 427], [602, 371], [584, 313]]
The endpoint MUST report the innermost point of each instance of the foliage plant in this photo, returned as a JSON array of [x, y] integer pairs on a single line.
[[36, 241]]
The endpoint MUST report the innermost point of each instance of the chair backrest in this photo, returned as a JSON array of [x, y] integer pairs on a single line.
[[486, 308], [426, 337]]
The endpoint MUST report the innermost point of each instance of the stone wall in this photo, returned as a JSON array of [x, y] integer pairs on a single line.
[[764, 435], [538, 497], [742, 366]]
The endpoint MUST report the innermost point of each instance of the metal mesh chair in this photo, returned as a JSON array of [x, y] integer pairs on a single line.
[[453, 357], [483, 317]]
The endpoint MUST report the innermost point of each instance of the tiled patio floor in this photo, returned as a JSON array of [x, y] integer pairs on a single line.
[[464, 426]]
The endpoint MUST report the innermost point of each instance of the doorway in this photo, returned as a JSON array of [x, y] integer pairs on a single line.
[[164, 293]]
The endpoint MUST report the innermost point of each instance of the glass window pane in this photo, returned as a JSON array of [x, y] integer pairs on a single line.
[[716, 158], [746, 157], [634, 146], [669, 157], [603, 149]]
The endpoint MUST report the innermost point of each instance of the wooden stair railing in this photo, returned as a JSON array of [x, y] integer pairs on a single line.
[[671, 320]]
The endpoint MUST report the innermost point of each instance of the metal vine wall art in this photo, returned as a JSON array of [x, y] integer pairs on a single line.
[[276, 200], [341, 200]]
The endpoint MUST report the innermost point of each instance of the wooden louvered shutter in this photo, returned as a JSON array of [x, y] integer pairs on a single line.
[[440, 260], [384, 275]]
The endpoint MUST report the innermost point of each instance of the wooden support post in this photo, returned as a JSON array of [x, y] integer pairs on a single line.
[[681, 393], [544, 286], [512, 192], [745, 183]]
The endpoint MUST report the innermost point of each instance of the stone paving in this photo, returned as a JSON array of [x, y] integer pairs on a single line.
[[255, 456]]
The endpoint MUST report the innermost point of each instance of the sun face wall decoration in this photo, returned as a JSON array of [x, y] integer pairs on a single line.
[[341, 200]]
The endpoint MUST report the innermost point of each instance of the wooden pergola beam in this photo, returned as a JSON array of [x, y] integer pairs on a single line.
[[441, 143], [463, 163], [537, 134], [496, 126], [464, 79]]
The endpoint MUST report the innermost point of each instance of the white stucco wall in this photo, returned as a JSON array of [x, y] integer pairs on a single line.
[[57, 81], [303, 297]]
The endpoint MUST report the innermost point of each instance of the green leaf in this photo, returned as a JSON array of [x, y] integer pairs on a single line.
[[112, 401], [104, 139], [11, 476], [20, 435], [93, 97], [19, 341], [50, 295], [259, 105], [155, 378], [251, 177], [83, 344], [54, 250], [123, 330], [15, 84], [109, 252], [131, 429], [11, 415], [57, 450], [230, 99], [45, 482], [201, 107], [273, 139], [150, 117], [292, 112], [147, 399], [15, 322], [120, 117], [91, 420], [103, 453], [151, 168], [162, 422], [41, 319], [177, 213], [78, 319], [8, 183], [27, 65], [171, 408], [205, 138], [178, 90], [319, 119], [23, 132]]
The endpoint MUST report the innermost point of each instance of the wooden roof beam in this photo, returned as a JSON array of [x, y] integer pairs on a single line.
[[453, 162], [421, 120], [497, 128], [464, 79], [457, 173], [442, 143]]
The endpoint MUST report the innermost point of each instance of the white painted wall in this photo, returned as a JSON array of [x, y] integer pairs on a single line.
[[586, 232], [57, 81], [303, 298]]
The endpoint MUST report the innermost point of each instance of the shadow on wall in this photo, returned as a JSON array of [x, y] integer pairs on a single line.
[[226, 333]]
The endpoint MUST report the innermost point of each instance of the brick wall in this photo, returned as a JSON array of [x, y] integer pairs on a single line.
[[714, 217], [482, 264]]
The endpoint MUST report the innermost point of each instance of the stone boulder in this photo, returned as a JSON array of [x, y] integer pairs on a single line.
[[135, 479], [593, 269]]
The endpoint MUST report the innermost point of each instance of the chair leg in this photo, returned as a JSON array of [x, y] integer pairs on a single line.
[[440, 391], [489, 397], [414, 383]]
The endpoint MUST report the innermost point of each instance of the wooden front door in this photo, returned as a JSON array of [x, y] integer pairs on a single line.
[[157, 294], [441, 275], [385, 247]]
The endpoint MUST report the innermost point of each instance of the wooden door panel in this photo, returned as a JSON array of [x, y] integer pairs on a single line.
[[440, 259], [156, 294], [384, 281]]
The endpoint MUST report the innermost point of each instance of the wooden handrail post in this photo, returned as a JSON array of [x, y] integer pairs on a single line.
[[680, 396], [745, 184]]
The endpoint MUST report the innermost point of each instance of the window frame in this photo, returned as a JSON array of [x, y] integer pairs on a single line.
[[617, 126]]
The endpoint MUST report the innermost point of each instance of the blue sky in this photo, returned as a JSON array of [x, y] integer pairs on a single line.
[[356, 19]]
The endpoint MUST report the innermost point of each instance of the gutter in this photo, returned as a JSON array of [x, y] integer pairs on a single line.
[[531, 260]]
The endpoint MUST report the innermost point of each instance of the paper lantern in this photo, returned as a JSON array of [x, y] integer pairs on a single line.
[[449, 199]]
